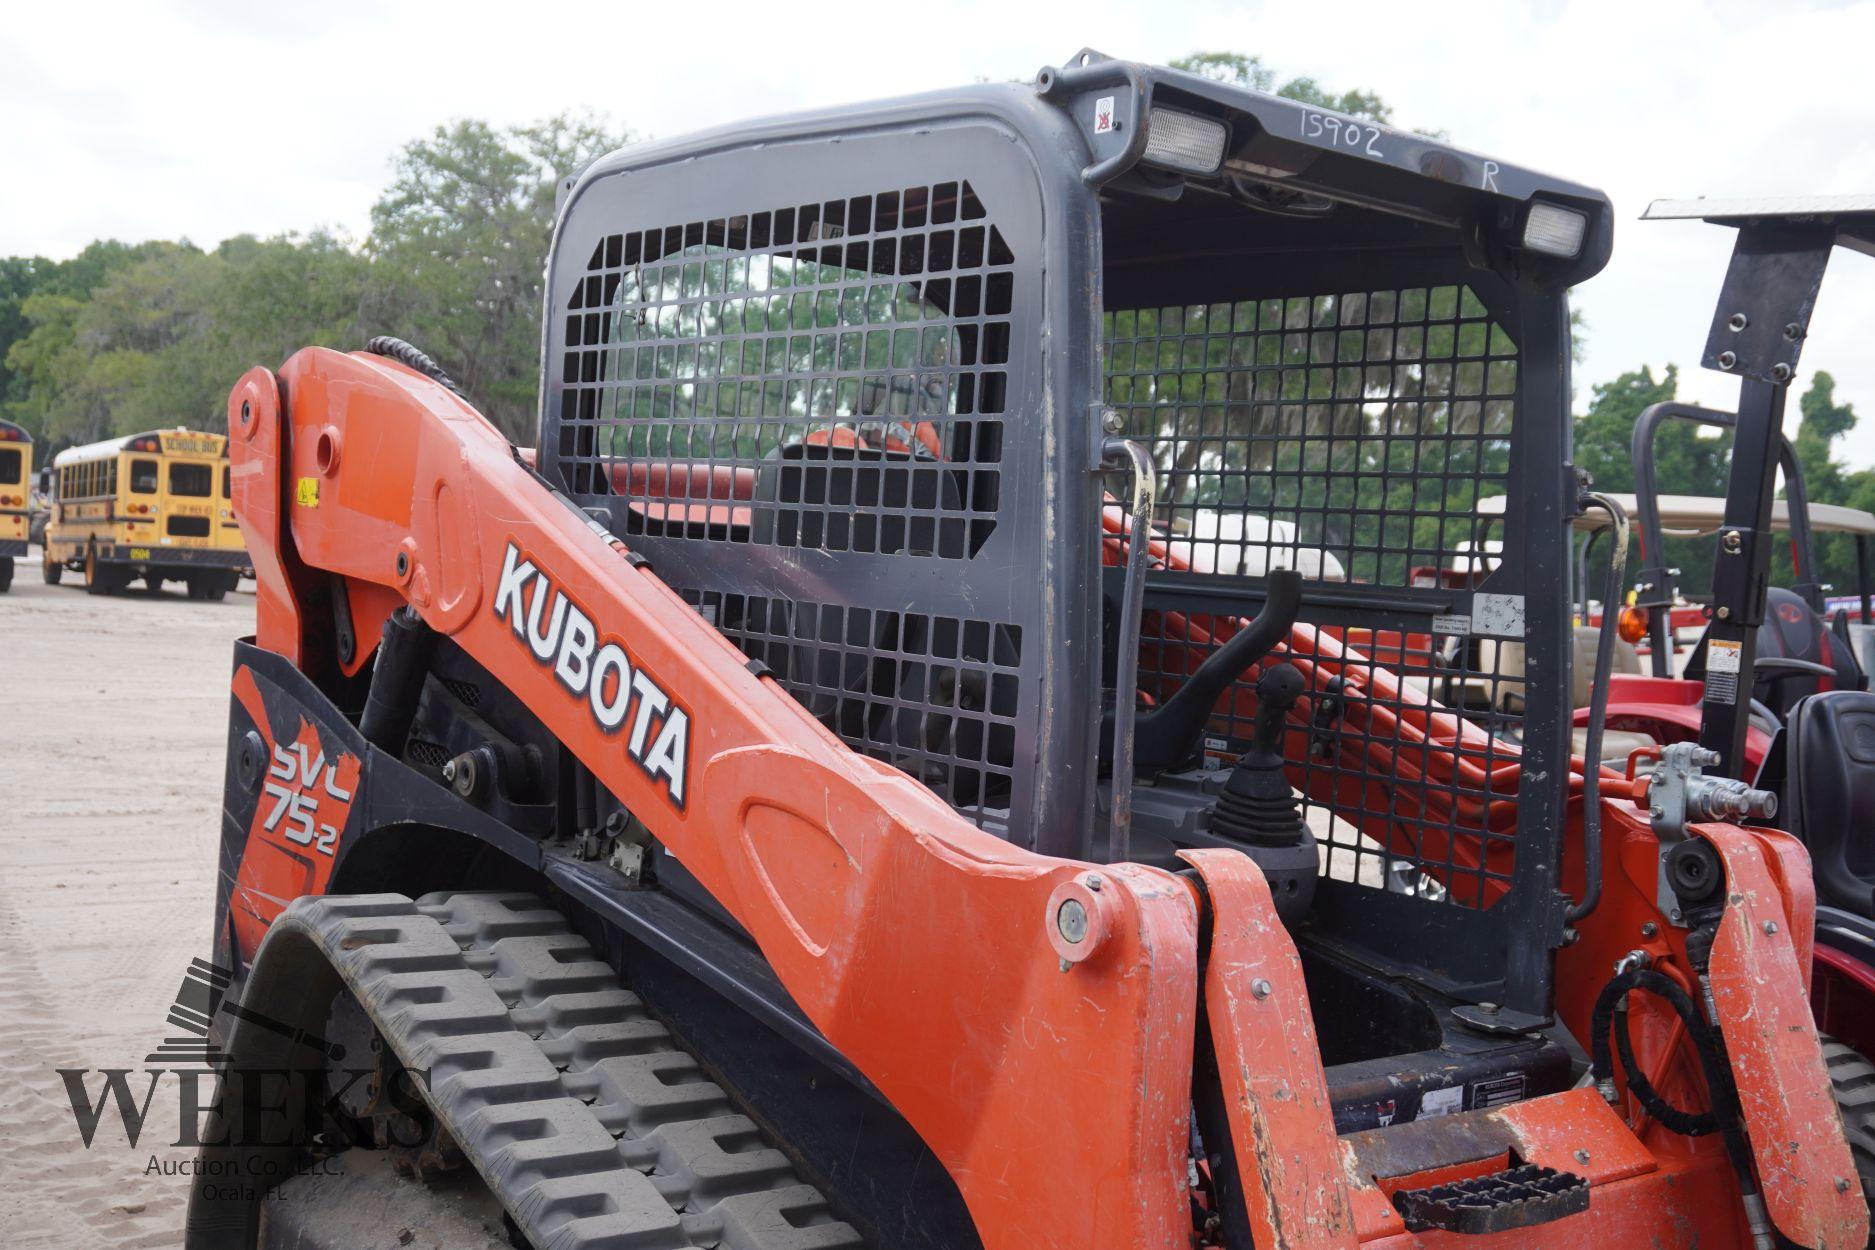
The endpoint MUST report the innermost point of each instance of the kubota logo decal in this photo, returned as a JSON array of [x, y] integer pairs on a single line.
[[598, 670]]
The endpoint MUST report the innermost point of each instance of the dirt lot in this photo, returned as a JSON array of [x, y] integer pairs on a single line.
[[112, 716]]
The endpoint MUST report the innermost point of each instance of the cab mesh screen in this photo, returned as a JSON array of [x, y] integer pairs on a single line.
[[1348, 436], [934, 696], [828, 377], [1351, 437], [855, 349]]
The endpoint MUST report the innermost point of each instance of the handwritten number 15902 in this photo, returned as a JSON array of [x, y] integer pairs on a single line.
[[1342, 133]]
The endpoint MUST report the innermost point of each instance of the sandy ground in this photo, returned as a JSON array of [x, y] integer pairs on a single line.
[[112, 721]]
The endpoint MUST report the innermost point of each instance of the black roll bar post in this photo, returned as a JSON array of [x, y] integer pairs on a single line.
[[1655, 587]]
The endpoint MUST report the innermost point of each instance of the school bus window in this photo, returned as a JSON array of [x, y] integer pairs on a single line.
[[194, 481], [143, 477], [227, 482], [10, 464]]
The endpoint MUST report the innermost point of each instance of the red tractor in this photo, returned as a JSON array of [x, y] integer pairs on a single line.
[[1771, 681]]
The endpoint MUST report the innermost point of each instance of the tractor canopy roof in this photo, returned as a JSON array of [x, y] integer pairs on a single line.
[[1700, 516], [1108, 124], [1852, 216]]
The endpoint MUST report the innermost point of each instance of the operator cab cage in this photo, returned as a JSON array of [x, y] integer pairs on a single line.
[[844, 378]]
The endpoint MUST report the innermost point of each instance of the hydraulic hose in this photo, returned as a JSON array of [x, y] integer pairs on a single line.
[[1724, 1117], [406, 354], [1598, 709], [397, 677], [1604, 1026], [1126, 662]]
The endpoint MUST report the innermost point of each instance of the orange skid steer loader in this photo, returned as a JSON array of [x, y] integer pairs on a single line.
[[818, 797]]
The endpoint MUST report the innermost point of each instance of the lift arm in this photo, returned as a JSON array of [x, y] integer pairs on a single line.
[[1054, 1085]]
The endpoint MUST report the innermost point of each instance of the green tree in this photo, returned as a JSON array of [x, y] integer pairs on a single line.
[[19, 280], [1242, 70], [160, 339], [458, 246], [1687, 461], [1822, 421], [24, 277], [42, 363], [1691, 461], [125, 337]]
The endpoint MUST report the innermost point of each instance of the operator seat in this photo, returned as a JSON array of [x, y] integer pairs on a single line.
[[1793, 630], [1828, 799], [1793, 644]]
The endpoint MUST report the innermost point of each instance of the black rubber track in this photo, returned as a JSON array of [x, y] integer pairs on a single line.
[[579, 1110], [1852, 1077]]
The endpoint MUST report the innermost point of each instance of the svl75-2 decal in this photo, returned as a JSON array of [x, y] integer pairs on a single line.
[[294, 781]]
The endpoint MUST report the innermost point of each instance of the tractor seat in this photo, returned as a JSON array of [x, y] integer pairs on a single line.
[[1792, 630], [1582, 673], [1829, 794]]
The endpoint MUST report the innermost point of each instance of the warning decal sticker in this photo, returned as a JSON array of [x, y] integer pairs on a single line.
[[1439, 1102], [1722, 671]]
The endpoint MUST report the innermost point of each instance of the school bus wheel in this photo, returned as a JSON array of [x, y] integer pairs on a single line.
[[50, 569], [211, 586], [6, 574], [100, 579]]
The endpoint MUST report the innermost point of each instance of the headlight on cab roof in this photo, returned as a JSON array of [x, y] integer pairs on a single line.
[[1554, 230], [1184, 141]]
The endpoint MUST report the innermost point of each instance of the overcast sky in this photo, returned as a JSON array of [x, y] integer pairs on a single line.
[[204, 118]]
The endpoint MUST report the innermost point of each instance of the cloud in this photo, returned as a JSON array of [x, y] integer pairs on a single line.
[[207, 118]]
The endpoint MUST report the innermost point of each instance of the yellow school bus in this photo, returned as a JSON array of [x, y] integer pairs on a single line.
[[16, 470], [153, 506]]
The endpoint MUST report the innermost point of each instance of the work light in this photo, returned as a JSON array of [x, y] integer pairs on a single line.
[[1184, 141], [1554, 230]]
